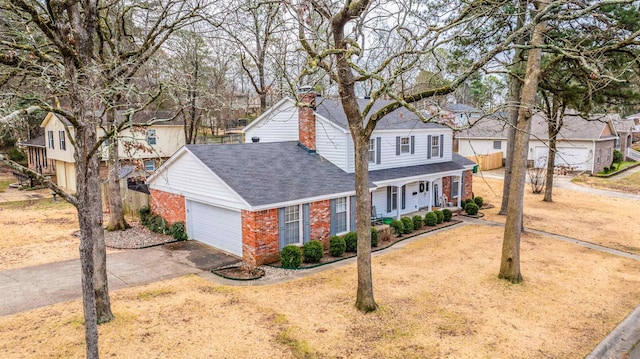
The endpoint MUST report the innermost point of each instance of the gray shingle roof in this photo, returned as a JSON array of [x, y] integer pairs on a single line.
[[401, 118], [458, 163], [267, 173], [460, 107], [34, 142], [574, 127]]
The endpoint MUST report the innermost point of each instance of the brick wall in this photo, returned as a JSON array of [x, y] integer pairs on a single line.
[[603, 148], [446, 187], [320, 218], [260, 235], [167, 205], [307, 121], [468, 184]]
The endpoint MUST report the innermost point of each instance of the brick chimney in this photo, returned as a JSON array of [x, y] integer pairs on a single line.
[[307, 118]]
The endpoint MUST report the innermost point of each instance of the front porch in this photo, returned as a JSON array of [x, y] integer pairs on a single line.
[[403, 197]]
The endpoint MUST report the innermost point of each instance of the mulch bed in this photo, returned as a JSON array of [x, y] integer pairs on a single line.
[[238, 272], [328, 258]]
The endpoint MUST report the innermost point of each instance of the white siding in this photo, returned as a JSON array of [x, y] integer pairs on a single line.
[[331, 143], [389, 159], [575, 154], [280, 124], [218, 227], [187, 176], [413, 204], [472, 147]]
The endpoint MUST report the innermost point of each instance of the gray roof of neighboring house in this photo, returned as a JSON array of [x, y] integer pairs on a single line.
[[574, 127], [401, 118], [142, 117], [34, 142], [458, 163], [266, 173], [460, 107]]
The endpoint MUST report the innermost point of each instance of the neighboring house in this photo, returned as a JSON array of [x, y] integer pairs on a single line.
[[456, 115], [293, 181], [582, 144], [635, 120], [144, 147], [37, 156], [626, 129]]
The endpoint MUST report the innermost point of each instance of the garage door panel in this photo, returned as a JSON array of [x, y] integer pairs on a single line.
[[215, 226], [565, 156]]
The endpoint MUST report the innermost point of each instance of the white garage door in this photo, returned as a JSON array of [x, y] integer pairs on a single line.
[[568, 156], [215, 226]]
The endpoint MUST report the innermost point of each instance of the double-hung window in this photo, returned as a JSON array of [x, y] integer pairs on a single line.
[[340, 217], [405, 145], [454, 186], [497, 145], [149, 166], [372, 150], [151, 137], [292, 225], [394, 198], [63, 145], [51, 140], [435, 146]]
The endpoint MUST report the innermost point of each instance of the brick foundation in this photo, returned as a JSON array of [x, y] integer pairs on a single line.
[[167, 205]]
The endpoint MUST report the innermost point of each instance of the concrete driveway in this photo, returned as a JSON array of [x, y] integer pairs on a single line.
[[33, 287]]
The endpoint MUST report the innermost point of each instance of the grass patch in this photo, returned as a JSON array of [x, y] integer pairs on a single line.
[[299, 348], [154, 293], [630, 183], [4, 184]]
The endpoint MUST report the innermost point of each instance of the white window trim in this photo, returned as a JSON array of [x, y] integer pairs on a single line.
[[394, 203], [145, 165], [151, 134], [499, 145], [348, 214], [372, 149], [51, 140], [62, 139], [405, 147]]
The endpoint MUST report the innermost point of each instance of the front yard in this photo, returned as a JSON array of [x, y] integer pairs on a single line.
[[439, 296], [630, 184]]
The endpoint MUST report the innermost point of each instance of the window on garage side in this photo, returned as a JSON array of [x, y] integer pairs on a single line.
[[497, 145], [292, 225]]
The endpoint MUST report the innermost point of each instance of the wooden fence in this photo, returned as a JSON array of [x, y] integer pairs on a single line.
[[488, 162], [132, 200]]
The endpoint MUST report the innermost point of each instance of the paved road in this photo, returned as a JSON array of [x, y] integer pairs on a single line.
[[33, 287]]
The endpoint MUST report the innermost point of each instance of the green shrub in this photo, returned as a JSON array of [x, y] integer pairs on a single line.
[[478, 201], [439, 216], [471, 209], [408, 224], [313, 251], [290, 257], [178, 231], [145, 213], [16, 155], [447, 214], [468, 200], [158, 224], [374, 237], [417, 222], [397, 226], [617, 156], [430, 219], [351, 241], [337, 246]]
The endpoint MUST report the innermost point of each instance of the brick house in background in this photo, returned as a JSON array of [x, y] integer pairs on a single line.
[[294, 180]]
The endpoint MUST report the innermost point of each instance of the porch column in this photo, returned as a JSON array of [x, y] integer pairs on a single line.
[[398, 194], [430, 195], [460, 190]]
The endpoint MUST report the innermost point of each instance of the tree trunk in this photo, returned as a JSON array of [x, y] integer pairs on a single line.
[[510, 263], [364, 299], [515, 87], [116, 210], [548, 189], [90, 220]]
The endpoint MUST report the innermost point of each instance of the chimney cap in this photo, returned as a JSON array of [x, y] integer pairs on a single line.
[[306, 89]]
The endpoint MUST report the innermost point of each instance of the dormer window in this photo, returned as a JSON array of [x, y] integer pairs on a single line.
[[63, 145], [151, 137]]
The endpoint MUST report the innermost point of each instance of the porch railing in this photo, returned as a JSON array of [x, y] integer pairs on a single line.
[[633, 154]]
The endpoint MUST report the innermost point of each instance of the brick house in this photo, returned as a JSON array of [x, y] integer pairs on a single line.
[[293, 181]]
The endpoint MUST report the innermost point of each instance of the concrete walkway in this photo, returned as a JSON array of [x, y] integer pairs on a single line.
[[33, 287]]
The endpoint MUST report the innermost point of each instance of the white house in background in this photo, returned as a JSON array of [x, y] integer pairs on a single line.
[[582, 144], [293, 181], [144, 147]]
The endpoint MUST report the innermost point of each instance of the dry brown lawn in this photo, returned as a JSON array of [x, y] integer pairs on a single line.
[[607, 221], [37, 232], [439, 298]]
